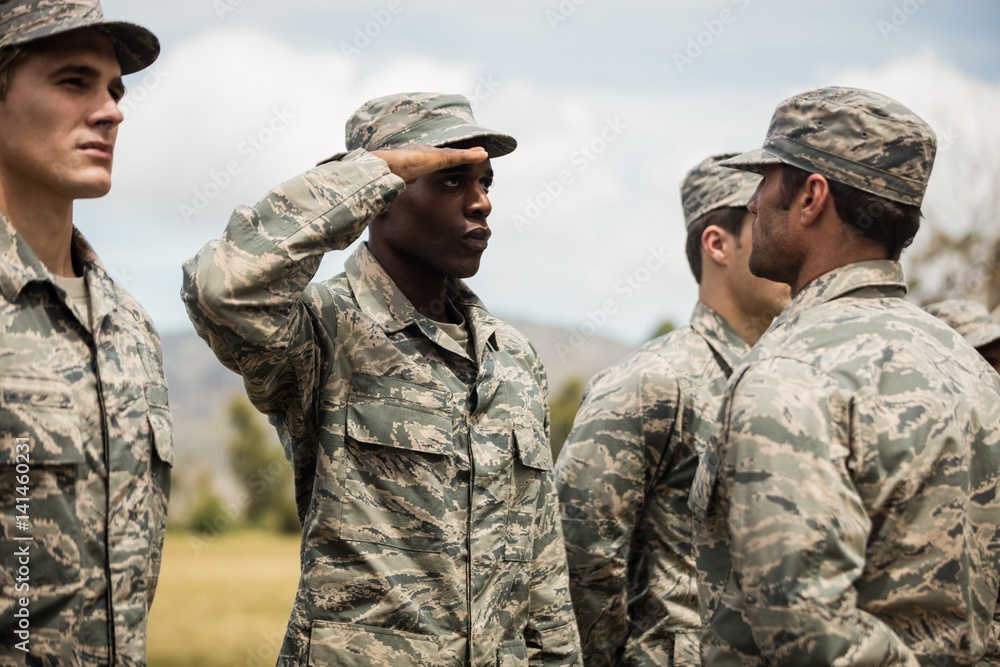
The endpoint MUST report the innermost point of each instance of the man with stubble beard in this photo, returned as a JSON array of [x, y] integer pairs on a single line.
[[848, 502]]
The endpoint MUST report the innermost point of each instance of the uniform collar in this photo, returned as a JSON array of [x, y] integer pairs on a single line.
[[721, 337], [882, 275], [382, 301], [20, 266]]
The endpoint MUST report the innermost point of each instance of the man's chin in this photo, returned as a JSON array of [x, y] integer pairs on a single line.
[[89, 181], [463, 272]]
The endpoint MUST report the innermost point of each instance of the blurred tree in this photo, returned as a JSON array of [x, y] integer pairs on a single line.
[[966, 266], [956, 253], [666, 326], [261, 471], [207, 514], [563, 407]]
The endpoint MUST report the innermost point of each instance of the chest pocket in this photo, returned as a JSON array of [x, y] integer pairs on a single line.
[[41, 468], [532, 462], [400, 486]]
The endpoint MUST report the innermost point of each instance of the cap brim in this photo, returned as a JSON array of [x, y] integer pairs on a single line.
[[754, 161], [496, 144], [136, 48], [984, 336]]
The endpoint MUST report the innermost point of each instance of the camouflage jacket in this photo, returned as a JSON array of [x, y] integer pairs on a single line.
[[623, 478], [850, 494], [85, 455], [423, 477]]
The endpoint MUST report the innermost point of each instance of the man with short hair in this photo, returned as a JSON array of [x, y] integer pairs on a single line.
[[416, 422], [85, 436], [973, 321], [625, 470], [849, 497]]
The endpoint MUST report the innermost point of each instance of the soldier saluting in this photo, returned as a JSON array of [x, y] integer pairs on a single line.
[[415, 421]]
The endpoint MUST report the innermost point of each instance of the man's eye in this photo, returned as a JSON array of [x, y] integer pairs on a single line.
[[487, 185], [75, 82], [451, 182]]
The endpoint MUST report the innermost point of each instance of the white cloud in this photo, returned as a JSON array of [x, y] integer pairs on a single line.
[[616, 206]]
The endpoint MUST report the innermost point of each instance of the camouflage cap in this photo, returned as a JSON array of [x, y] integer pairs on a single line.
[[24, 21], [709, 186], [969, 318], [855, 137], [426, 119]]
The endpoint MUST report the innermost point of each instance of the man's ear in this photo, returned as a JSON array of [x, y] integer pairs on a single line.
[[813, 199], [713, 242]]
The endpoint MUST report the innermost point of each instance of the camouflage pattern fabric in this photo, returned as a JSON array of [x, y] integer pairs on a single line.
[[424, 119], [85, 416], [623, 478], [855, 137], [24, 21], [849, 497], [969, 318], [709, 186], [423, 477]]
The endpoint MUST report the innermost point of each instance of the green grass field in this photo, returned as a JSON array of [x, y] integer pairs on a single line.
[[223, 601]]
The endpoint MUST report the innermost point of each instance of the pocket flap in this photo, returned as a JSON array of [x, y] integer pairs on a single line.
[[532, 448], [512, 653], [400, 426], [351, 645], [162, 433], [14, 449]]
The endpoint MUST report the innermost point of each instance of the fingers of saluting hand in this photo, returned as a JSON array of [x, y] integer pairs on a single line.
[[415, 161]]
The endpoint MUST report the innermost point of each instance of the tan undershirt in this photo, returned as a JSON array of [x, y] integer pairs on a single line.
[[76, 289], [459, 333]]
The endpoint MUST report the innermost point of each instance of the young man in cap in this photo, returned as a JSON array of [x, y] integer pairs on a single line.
[[416, 422], [850, 494], [625, 470], [973, 321], [85, 440]]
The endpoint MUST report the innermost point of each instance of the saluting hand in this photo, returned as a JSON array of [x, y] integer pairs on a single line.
[[415, 161]]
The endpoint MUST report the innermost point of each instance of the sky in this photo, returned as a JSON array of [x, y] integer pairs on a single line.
[[611, 103]]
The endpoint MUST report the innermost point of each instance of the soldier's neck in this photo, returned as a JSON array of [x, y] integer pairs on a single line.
[[713, 293], [45, 224]]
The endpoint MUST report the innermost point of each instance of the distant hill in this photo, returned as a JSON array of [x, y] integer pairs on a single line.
[[201, 388]]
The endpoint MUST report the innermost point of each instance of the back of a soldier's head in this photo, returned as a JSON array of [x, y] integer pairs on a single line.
[[712, 195]]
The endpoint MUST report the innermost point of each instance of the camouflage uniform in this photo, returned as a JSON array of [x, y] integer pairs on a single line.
[[423, 476], [625, 470], [85, 436], [623, 478], [969, 318], [96, 537], [849, 497]]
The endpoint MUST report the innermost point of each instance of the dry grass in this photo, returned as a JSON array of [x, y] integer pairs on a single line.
[[223, 602]]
